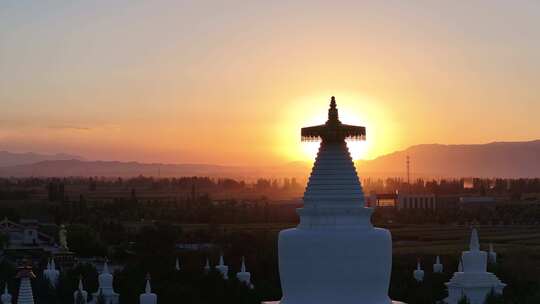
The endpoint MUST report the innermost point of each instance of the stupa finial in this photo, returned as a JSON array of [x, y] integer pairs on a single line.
[[474, 244], [333, 116], [148, 288], [333, 130], [221, 262], [80, 283], [105, 266]]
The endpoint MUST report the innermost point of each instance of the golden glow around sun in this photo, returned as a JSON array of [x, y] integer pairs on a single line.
[[353, 109]]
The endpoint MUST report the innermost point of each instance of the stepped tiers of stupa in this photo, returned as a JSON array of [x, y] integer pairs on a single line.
[[26, 295], [335, 255], [472, 279]]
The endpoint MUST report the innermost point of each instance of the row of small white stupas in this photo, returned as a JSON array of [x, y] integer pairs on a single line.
[[105, 282], [472, 280], [243, 275]]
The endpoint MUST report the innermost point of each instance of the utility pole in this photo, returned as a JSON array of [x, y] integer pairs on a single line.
[[408, 171]]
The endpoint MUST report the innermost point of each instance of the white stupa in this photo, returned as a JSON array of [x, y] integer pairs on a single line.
[[473, 280], [418, 273], [105, 281], [334, 255], [222, 268], [51, 273], [438, 267], [148, 297], [80, 292], [26, 295], [492, 254], [6, 297], [244, 276]]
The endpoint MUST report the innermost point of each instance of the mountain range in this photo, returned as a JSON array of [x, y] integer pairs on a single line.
[[15, 159], [498, 159]]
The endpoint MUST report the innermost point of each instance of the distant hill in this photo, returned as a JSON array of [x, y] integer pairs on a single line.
[[62, 168], [498, 159], [14, 159]]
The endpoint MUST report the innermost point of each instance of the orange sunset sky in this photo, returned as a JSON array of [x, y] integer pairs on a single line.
[[232, 82]]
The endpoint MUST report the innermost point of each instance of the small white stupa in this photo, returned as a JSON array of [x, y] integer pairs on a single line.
[[53, 275], [492, 254], [6, 297], [438, 267], [207, 266], [473, 281], [222, 268], [177, 264], [105, 288], [334, 255], [80, 293], [244, 276], [47, 270], [25, 288], [418, 273], [148, 297]]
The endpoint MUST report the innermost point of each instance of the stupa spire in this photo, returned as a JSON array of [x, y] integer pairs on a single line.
[[105, 267], [177, 264], [474, 244], [437, 267], [148, 288], [243, 267], [25, 288], [207, 265]]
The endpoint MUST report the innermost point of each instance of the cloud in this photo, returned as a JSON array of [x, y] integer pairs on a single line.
[[70, 127]]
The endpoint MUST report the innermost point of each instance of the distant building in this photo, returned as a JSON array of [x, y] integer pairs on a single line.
[[477, 200], [24, 239], [417, 201]]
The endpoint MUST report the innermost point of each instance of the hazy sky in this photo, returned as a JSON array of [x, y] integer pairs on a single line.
[[232, 82]]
